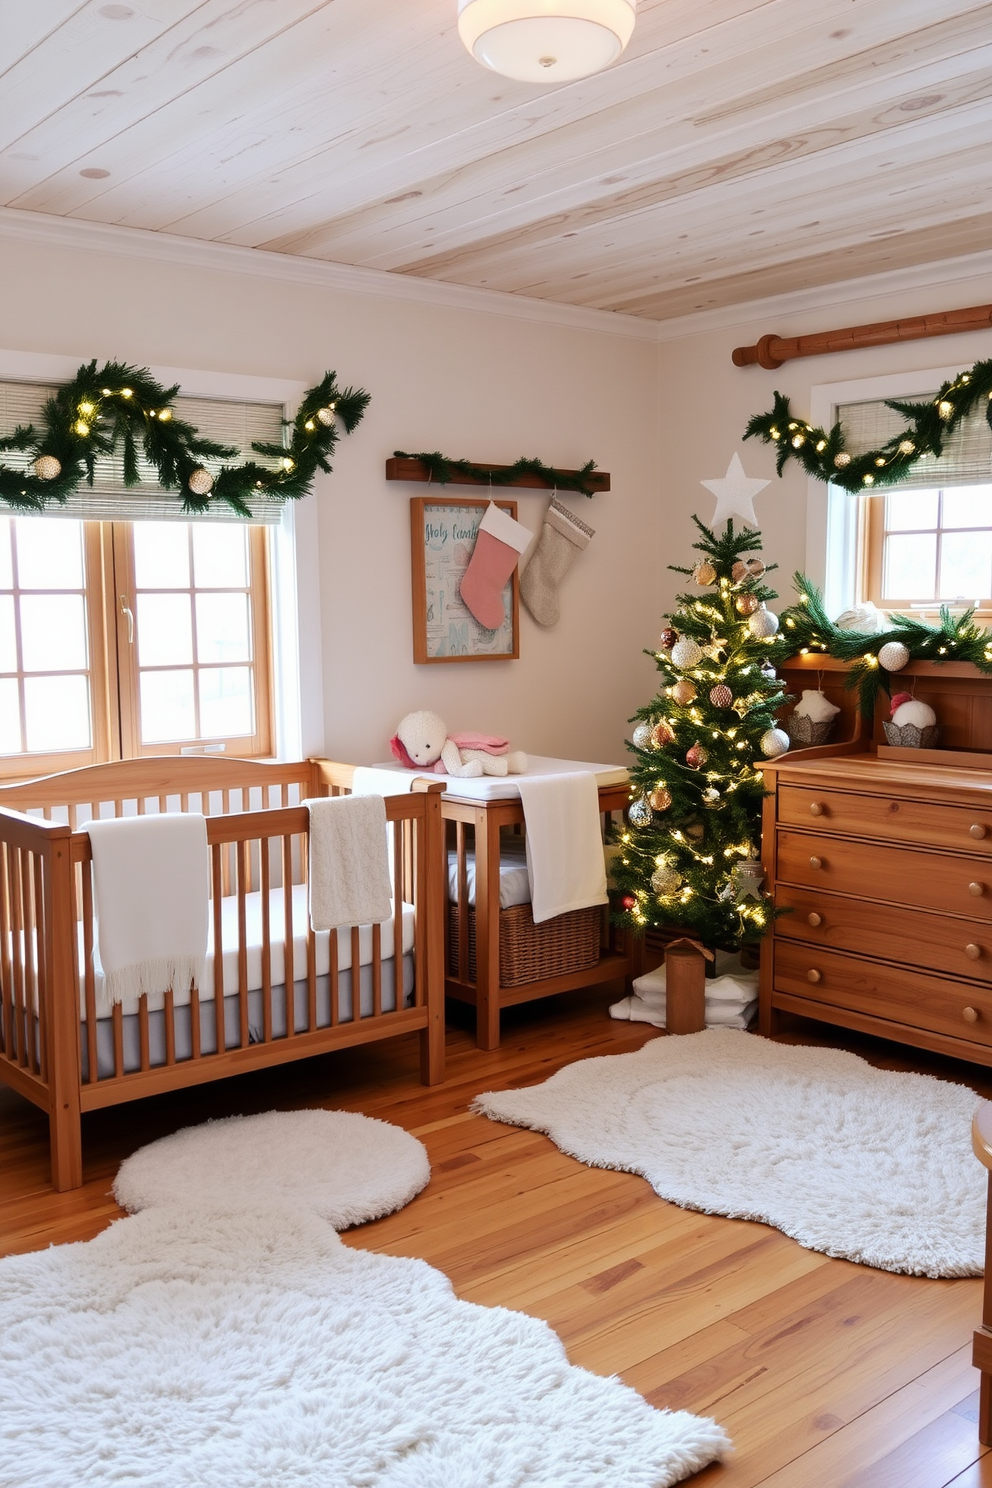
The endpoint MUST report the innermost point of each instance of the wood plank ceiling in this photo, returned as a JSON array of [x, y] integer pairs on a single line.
[[738, 149]]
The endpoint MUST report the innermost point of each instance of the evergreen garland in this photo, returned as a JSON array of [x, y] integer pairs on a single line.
[[441, 469], [825, 455], [956, 638], [691, 826], [120, 406]]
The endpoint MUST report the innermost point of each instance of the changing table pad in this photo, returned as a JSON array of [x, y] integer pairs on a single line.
[[504, 787]]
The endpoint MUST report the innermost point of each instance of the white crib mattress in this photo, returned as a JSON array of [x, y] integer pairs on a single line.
[[253, 945], [504, 787]]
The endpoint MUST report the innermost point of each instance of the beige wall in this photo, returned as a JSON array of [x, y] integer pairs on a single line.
[[472, 384], [706, 403]]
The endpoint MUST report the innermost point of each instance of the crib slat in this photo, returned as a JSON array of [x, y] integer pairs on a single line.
[[356, 972], [334, 977], [89, 975], [170, 1027], [8, 1039], [20, 935], [266, 889], [194, 1021], [217, 880], [289, 960], [244, 870], [41, 981], [143, 1040], [377, 970], [461, 853], [118, 1026], [312, 978]]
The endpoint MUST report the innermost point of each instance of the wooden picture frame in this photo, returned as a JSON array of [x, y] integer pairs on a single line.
[[442, 540]]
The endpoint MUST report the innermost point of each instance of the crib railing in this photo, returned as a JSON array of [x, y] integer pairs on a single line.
[[53, 1032]]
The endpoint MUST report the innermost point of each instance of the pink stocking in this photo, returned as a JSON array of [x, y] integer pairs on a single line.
[[497, 550]]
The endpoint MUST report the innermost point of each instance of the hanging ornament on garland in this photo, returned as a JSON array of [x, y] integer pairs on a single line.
[[683, 692], [122, 409], [696, 757], [893, 656], [685, 653]]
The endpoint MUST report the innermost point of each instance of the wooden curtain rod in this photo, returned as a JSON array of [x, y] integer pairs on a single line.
[[771, 351]]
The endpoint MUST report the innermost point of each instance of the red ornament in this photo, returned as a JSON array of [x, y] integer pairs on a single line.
[[668, 638], [628, 902], [696, 757]]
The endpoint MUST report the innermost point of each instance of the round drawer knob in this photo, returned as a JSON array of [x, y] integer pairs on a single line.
[[814, 918], [816, 862], [976, 890], [970, 1015], [977, 830], [814, 976], [973, 952], [815, 809]]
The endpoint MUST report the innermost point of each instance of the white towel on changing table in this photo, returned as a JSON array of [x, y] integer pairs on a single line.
[[349, 862], [151, 881], [565, 860]]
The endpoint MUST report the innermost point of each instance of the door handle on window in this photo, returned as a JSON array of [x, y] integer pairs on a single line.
[[126, 610]]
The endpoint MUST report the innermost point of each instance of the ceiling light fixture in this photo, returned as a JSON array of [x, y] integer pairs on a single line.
[[546, 40]]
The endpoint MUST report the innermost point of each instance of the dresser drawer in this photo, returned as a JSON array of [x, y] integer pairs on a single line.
[[908, 997], [900, 875], [886, 818], [940, 943]]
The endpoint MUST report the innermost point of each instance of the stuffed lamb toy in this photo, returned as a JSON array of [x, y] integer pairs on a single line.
[[422, 742]]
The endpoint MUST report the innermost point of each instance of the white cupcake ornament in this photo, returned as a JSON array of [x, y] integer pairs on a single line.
[[815, 706], [921, 715]]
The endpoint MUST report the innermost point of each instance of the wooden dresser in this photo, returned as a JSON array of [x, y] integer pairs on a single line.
[[885, 869]]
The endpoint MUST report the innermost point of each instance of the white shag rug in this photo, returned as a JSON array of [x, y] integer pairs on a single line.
[[346, 1167], [868, 1165], [185, 1348]]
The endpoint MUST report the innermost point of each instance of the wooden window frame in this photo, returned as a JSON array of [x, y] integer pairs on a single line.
[[871, 547]]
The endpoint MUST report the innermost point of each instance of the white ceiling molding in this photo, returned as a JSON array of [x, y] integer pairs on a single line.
[[943, 274], [43, 230]]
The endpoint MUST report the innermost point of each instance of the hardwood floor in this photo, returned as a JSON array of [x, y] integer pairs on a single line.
[[826, 1374]]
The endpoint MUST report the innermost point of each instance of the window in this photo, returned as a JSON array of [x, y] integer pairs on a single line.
[[128, 638], [930, 547]]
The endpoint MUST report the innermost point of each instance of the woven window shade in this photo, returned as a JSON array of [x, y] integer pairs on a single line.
[[967, 457], [228, 421]]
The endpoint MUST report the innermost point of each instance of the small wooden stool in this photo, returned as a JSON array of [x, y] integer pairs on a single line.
[[981, 1141], [685, 986]]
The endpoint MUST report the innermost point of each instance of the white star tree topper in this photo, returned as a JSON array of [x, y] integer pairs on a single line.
[[735, 493]]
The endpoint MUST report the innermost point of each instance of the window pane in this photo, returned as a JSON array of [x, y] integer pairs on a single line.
[[164, 630], [8, 648], [167, 707], [966, 565], [910, 567], [49, 554], [10, 718], [6, 572], [225, 702], [220, 556], [57, 712], [161, 555], [967, 506], [53, 632], [908, 511], [222, 628]]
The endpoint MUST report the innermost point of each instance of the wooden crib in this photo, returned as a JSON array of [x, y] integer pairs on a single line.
[[274, 991]]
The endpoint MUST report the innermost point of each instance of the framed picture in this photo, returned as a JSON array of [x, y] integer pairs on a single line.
[[443, 535]]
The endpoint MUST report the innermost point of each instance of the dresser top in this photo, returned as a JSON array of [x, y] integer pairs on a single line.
[[869, 773]]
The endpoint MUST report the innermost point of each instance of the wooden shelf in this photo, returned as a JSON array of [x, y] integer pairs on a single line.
[[416, 470]]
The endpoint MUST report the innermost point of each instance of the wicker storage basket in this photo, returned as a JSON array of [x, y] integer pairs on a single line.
[[529, 952]]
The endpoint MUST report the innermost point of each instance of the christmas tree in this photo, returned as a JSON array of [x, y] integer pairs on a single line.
[[688, 856]]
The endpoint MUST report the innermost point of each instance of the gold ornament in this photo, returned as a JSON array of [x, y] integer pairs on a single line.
[[659, 799], [842, 459], [46, 468], [326, 416], [746, 604], [662, 734], [201, 482], [665, 880], [721, 695], [684, 692], [704, 573]]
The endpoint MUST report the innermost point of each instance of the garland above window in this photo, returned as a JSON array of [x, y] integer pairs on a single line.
[[120, 406], [825, 456], [440, 469]]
